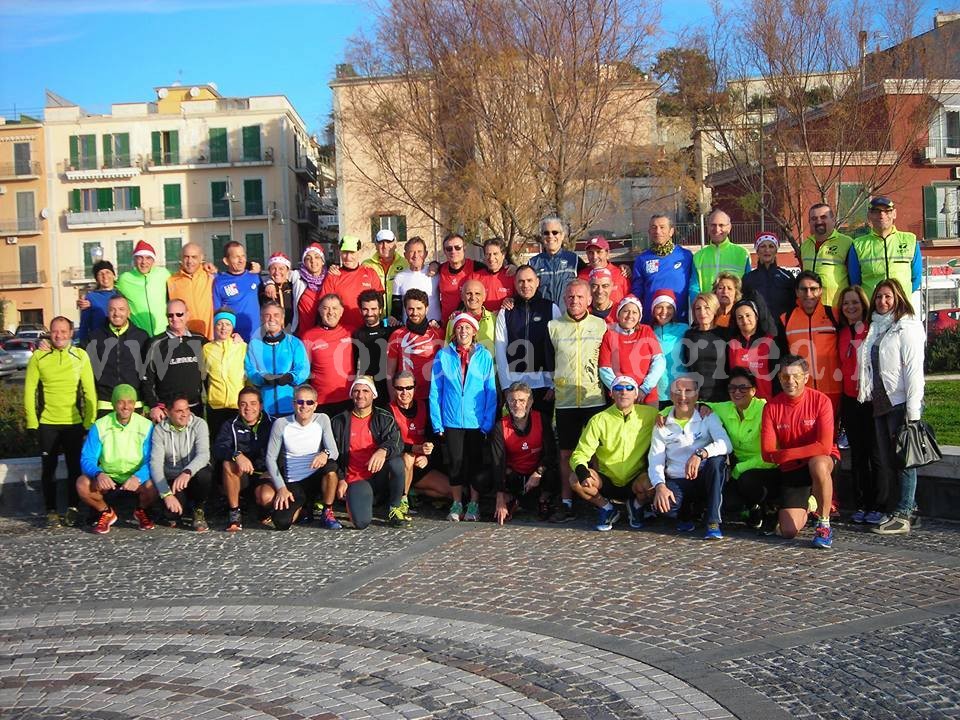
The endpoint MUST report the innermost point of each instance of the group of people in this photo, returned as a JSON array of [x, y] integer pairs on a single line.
[[651, 388]]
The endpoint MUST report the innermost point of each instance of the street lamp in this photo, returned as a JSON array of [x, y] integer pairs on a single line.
[[273, 212], [231, 199]]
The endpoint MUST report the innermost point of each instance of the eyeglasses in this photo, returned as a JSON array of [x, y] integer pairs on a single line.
[[739, 388], [453, 248], [545, 233], [403, 388], [308, 403], [171, 315], [809, 289], [624, 388]]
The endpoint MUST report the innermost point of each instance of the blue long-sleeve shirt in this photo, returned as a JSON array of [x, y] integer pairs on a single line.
[[94, 316]]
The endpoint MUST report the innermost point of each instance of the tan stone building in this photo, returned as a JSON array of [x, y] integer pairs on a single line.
[[25, 280], [189, 166]]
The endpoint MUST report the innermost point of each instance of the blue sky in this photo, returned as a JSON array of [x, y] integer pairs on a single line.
[[98, 52]]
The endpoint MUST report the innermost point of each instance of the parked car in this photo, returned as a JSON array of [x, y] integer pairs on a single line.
[[20, 349], [8, 366], [939, 321], [32, 331]]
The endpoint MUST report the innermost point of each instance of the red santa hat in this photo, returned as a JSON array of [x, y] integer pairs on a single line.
[[144, 249], [278, 258]]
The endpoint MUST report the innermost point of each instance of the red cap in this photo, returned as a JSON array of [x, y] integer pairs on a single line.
[[598, 242]]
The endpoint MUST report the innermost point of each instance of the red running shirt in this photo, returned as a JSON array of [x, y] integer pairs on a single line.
[[523, 452], [449, 284], [631, 355], [331, 362], [795, 430], [348, 285], [362, 449], [414, 353]]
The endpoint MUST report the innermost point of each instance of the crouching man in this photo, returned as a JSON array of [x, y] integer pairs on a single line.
[[371, 457], [115, 458]]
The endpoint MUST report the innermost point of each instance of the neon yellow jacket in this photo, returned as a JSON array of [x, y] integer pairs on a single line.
[[712, 259], [744, 434], [223, 365], [58, 384], [829, 261], [399, 264], [573, 355], [619, 443]]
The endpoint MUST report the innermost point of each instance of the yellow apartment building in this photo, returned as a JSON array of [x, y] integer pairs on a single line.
[[26, 285], [189, 166]]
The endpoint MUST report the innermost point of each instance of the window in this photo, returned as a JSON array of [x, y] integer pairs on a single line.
[[852, 205], [126, 198], [219, 200], [218, 145], [397, 223], [219, 241], [83, 200], [88, 258], [124, 256], [172, 208], [251, 142], [26, 212], [254, 244], [171, 252], [83, 152], [28, 265], [116, 150], [941, 211], [165, 146], [253, 197], [21, 159]]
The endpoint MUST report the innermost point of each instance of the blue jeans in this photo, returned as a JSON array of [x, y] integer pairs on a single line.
[[886, 427], [708, 485]]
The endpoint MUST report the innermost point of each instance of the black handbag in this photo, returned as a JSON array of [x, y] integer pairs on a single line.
[[917, 445]]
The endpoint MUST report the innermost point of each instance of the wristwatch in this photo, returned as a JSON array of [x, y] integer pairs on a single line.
[[704, 456]]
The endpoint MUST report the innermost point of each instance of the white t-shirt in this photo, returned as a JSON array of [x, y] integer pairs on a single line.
[[419, 280]]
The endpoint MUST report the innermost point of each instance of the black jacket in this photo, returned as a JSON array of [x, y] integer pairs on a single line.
[[383, 427], [117, 359], [174, 366], [237, 437]]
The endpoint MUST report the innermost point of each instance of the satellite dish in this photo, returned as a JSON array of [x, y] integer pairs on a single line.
[[45, 213], [162, 93], [213, 85], [175, 83], [194, 91]]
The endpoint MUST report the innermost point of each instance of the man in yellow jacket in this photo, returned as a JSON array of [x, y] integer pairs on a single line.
[[60, 400], [719, 256]]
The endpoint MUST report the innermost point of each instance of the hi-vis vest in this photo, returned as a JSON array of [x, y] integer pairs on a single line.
[[882, 258], [829, 261], [711, 260], [576, 351]]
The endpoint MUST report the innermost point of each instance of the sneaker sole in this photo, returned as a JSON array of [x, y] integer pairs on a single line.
[[109, 525], [234, 528]]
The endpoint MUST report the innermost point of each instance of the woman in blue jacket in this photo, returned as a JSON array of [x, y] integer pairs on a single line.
[[463, 404]]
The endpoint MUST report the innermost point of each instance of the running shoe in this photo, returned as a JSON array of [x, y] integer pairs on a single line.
[[755, 517], [328, 520], [842, 442], [71, 517], [822, 538], [543, 509], [200, 521], [685, 526], [234, 521], [606, 519], [713, 532], [634, 514], [107, 518], [859, 517], [563, 514], [405, 504], [53, 520], [143, 520], [897, 525], [397, 518], [875, 517], [456, 510], [473, 512]]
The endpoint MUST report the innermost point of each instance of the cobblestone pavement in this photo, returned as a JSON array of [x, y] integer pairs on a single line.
[[472, 620]]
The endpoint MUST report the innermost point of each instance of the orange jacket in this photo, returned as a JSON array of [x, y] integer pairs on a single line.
[[814, 338], [197, 293]]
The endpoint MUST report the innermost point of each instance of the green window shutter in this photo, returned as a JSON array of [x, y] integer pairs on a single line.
[[252, 197], [122, 146], [134, 198], [124, 255], [401, 228], [74, 152], [219, 241], [251, 142], [174, 148], [75, 205], [156, 148], [88, 144], [930, 213], [219, 204], [374, 227], [171, 252], [254, 244], [88, 258], [171, 202], [218, 145], [104, 198], [107, 142]]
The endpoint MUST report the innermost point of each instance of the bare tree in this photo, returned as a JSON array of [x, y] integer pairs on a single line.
[[800, 106], [483, 115]]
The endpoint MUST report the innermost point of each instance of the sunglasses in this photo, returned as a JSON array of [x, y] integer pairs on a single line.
[[739, 388], [453, 248], [179, 314], [308, 403], [624, 388], [403, 388], [551, 232]]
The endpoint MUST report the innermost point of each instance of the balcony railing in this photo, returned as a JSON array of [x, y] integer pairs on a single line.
[[328, 221], [20, 226], [942, 149], [213, 211], [158, 162], [105, 217], [306, 166], [23, 168], [10, 280]]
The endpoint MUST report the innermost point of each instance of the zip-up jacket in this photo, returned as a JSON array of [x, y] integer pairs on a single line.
[[147, 295], [829, 260], [383, 428], [775, 285], [237, 437], [636, 354], [619, 442], [456, 402], [267, 359], [672, 445], [174, 367], [120, 451], [711, 260], [398, 265], [485, 335], [704, 353], [175, 450], [59, 388], [901, 351], [814, 338], [669, 337], [520, 340], [94, 316], [848, 345], [744, 434], [117, 358], [673, 271], [223, 362], [197, 292], [895, 256], [573, 357], [556, 272]]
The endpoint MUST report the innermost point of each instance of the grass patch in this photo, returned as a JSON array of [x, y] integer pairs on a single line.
[[942, 410]]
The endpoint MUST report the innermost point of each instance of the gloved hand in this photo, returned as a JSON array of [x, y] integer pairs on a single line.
[[285, 379]]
